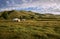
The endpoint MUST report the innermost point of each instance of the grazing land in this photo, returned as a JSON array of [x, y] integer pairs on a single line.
[[31, 28]]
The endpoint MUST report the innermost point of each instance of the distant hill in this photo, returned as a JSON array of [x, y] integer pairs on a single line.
[[29, 15], [36, 25]]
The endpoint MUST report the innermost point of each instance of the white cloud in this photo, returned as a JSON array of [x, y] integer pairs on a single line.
[[42, 5], [24, 1], [27, 1], [7, 2]]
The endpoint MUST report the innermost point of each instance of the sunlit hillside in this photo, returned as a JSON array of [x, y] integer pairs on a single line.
[[35, 25], [29, 15]]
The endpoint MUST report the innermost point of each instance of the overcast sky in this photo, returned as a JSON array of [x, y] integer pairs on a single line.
[[43, 6]]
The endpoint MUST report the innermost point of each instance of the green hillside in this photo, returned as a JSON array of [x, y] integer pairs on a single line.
[[17, 14], [36, 26], [30, 30], [29, 15]]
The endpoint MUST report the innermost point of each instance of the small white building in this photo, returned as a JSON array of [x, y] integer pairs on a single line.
[[16, 20]]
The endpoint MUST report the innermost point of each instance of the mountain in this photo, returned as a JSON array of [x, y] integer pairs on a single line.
[[36, 26], [29, 15], [17, 14]]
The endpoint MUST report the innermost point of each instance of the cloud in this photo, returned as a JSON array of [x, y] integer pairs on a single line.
[[7, 2], [52, 6]]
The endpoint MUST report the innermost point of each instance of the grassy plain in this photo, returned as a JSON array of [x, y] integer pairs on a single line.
[[30, 30]]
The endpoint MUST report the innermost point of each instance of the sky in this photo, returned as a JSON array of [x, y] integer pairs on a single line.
[[40, 6]]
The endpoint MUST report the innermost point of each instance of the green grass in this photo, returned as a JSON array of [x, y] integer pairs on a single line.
[[30, 30]]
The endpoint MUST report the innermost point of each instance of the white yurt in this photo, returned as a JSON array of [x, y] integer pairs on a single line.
[[16, 20]]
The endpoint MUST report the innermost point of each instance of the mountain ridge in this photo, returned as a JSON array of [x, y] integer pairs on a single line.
[[27, 15]]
